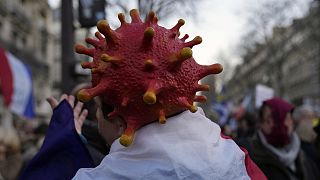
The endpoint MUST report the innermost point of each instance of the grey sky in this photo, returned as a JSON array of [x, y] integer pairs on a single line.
[[220, 23]]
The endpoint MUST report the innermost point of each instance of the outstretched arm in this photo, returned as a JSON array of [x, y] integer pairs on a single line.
[[63, 151]]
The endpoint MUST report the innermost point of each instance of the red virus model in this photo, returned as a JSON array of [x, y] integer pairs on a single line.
[[145, 71]]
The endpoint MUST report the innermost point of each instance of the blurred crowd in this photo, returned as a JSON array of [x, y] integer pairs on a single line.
[[18, 145], [20, 142], [282, 139]]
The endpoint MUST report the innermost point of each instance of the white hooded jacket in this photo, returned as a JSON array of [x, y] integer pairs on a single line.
[[188, 146]]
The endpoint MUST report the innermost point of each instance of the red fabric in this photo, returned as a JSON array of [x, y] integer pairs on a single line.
[[253, 170], [279, 109], [224, 136], [6, 78]]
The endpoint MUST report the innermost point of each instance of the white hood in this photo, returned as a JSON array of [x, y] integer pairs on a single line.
[[188, 146]]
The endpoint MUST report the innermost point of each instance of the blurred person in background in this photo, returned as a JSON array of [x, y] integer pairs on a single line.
[[10, 155], [276, 148], [316, 124], [304, 116], [246, 130], [28, 139], [32, 146]]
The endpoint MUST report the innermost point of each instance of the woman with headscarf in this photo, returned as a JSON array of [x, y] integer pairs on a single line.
[[277, 147]]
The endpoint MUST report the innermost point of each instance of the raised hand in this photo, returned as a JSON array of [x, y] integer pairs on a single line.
[[79, 114]]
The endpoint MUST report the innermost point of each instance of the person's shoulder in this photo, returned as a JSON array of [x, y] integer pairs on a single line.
[[309, 168], [86, 174]]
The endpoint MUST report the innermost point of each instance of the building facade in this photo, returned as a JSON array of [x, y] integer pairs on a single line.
[[289, 62], [25, 27]]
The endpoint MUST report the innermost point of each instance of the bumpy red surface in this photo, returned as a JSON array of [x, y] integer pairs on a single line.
[[144, 70]]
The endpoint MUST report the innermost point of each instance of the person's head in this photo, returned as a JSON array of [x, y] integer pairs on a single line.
[[246, 123], [109, 128], [9, 142], [145, 71], [275, 121], [304, 113], [303, 117]]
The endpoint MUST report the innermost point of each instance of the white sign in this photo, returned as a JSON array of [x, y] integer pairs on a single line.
[[263, 93]]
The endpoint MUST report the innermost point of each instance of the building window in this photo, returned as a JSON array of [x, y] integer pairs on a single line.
[[24, 41], [14, 36], [43, 13], [44, 41]]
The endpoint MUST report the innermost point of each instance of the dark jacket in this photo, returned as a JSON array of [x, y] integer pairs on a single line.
[[274, 169]]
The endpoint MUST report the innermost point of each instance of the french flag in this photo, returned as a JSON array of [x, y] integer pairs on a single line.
[[16, 85]]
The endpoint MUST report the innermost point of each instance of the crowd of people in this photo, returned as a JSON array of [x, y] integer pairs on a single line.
[[18, 145], [281, 139], [121, 138]]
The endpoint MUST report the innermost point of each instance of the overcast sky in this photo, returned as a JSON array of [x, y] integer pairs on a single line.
[[220, 23]]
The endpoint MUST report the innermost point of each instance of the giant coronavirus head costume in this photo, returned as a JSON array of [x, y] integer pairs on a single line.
[[145, 71]]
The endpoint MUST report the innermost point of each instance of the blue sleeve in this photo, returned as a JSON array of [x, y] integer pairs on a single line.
[[63, 153]]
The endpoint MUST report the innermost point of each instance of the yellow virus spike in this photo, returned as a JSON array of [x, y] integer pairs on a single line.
[[185, 37], [122, 18], [162, 117], [98, 35], [175, 30], [109, 34], [86, 65], [85, 95], [94, 70], [201, 99], [184, 103], [79, 48], [148, 64], [83, 50], [155, 19], [97, 70], [197, 40], [154, 87], [148, 35], [193, 108], [112, 59], [93, 42], [215, 68], [180, 23], [183, 55], [150, 97], [211, 69], [126, 138], [202, 87], [151, 18], [134, 13]]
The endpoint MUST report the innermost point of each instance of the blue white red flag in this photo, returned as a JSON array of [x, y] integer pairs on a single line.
[[16, 85]]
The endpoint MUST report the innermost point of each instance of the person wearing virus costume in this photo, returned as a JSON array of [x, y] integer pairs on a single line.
[[147, 73], [142, 74]]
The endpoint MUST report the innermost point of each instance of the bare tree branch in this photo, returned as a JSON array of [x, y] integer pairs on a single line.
[[163, 8]]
